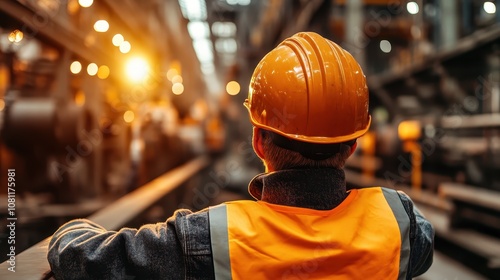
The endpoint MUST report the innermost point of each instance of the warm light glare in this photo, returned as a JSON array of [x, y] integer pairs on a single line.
[[75, 67], [16, 36], [125, 47], [92, 69], [489, 7], [85, 3], [80, 98], [409, 130], [101, 26], [177, 79], [103, 72], [2, 104], [171, 73], [178, 88], [367, 142], [128, 116], [233, 88], [412, 8], [385, 46], [137, 69], [118, 39], [175, 64]]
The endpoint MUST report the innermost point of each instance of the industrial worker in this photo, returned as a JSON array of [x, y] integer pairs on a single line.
[[308, 103]]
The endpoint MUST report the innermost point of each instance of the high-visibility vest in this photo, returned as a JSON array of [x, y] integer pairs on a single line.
[[365, 237]]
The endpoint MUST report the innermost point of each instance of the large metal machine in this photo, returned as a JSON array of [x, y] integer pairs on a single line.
[[78, 130]]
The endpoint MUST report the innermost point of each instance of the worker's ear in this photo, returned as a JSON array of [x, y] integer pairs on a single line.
[[257, 142], [353, 148]]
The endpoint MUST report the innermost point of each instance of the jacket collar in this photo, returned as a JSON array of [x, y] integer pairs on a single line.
[[321, 189]]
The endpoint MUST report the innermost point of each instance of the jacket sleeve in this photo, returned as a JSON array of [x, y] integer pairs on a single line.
[[81, 249], [421, 238]]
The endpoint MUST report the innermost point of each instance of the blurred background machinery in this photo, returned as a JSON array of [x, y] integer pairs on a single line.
[[100, 97]]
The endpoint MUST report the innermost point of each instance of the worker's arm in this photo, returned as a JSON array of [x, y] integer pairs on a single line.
[[421, 238], [81, 249]]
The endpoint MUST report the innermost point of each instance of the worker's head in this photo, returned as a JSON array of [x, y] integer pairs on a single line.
[[308, 102]]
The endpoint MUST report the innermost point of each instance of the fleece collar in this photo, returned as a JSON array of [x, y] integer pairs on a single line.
[[321, 189]]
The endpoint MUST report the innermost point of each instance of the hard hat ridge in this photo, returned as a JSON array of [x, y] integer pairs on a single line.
[[309, 89]]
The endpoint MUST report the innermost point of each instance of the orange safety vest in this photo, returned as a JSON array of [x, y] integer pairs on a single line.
[[365, 237]]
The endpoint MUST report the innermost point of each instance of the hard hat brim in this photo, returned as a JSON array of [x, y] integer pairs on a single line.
[[311, 138]]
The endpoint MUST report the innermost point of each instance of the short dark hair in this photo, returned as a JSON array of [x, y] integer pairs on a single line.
[[280, 158]]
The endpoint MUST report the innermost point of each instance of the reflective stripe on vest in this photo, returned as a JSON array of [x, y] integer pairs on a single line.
[[219, 241], [399, 212], [365, 237]]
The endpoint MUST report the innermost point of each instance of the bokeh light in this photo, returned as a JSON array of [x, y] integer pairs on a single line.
[[233, 88], [75, 67], [92, 69], [137, 69]]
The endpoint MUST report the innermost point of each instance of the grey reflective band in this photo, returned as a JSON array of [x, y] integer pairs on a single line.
[[399, 211], [217, 217]]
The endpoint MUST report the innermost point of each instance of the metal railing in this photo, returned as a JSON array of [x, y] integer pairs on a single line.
[[32, 263]]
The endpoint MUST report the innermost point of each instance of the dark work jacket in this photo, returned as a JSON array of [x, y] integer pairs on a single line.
[[180, 247]]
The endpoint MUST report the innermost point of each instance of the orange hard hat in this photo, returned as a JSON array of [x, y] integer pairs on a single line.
[[309, 89]]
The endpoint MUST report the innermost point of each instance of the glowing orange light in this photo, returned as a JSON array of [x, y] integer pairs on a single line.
[[171, 73], [177, 88], [137, 69], [409, 130], [80, 98], [233, 88], [16, 36], [103, 72], [128, 116]]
